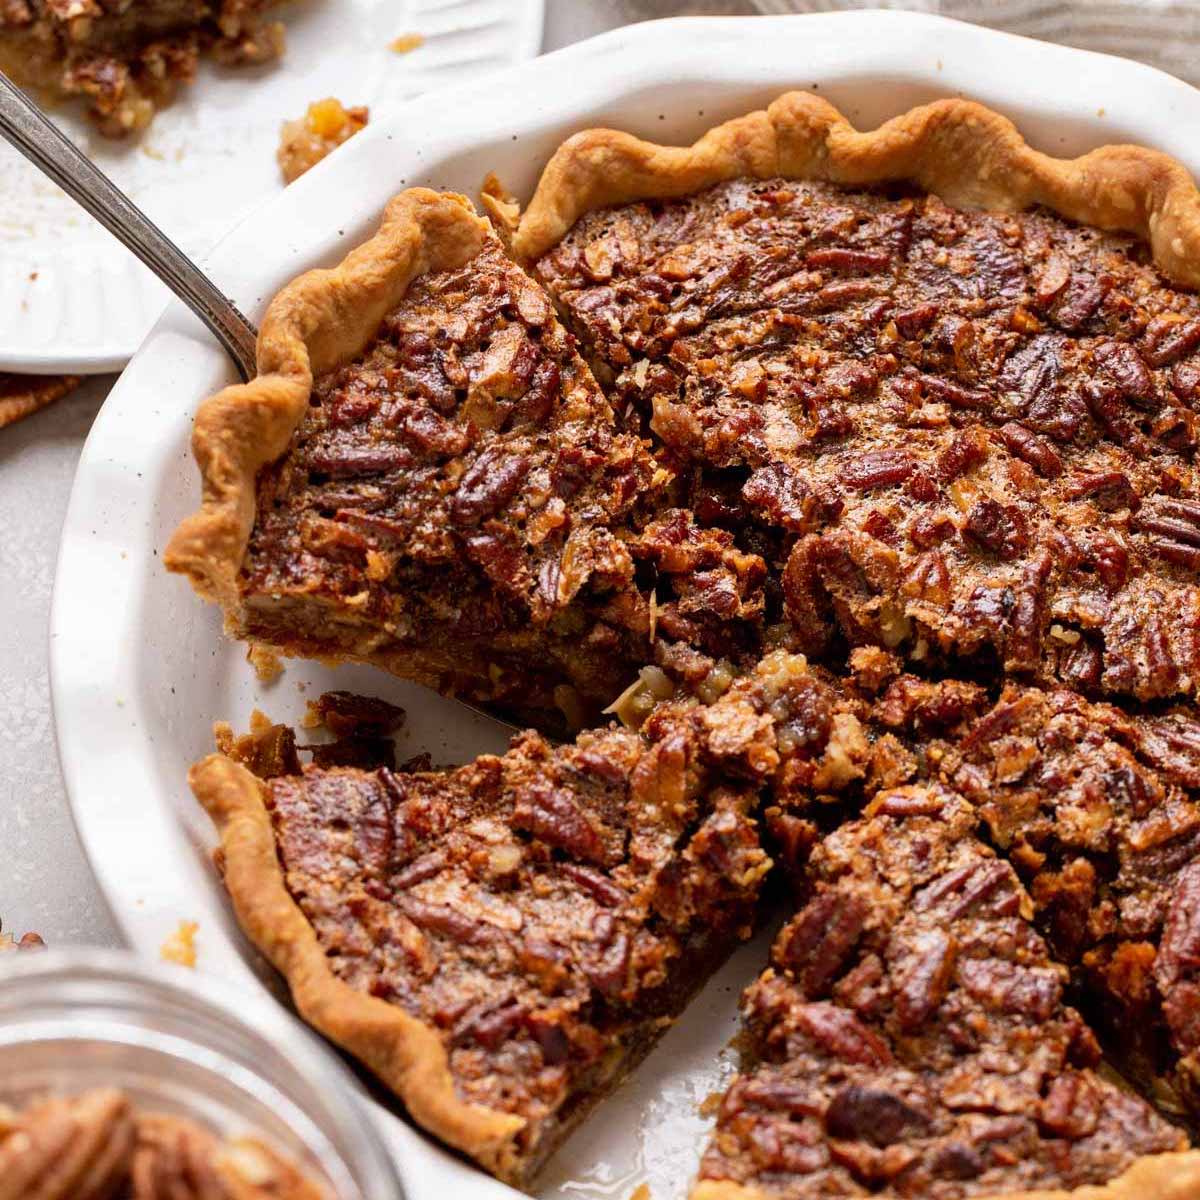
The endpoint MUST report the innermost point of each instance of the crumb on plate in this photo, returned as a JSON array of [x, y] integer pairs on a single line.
[[406, 43], [180, 947], [268, 666], [324, 127]]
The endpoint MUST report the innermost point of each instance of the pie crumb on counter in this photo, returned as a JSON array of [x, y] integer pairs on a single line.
[[323, 128], [406, 43]]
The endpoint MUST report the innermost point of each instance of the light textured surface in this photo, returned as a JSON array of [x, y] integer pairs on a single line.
[[45, 882]]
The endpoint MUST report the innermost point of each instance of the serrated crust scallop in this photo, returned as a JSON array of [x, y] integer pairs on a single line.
[[963, 152]]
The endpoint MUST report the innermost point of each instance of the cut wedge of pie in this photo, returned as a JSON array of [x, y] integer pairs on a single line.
[[125, 60], [913, 1039], [1097, 811], [435, 482], [501, 943]]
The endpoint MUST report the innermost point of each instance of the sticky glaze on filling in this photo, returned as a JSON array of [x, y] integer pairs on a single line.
[[912, 1034], [967, 435]]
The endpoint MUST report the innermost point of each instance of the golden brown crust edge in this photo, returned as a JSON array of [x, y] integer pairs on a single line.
[[402, 1051], [967, 154], [1154, 1177], [319, 321]]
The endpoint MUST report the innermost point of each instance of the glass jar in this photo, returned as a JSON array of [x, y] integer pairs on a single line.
[[180, 1044]]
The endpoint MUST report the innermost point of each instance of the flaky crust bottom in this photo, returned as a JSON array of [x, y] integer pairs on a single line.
[[402, 1051], [318, 322], [1155, 1177], [965, 153]]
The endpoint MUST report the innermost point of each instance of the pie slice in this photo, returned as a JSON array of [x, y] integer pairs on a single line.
[[502, 942], [126, 60], [425, 476], [965, 434], [1097, 810], [912, 1039]]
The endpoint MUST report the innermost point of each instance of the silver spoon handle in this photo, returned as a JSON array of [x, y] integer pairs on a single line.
[[25, 127]]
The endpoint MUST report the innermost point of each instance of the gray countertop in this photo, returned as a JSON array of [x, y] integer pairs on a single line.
[[45, 882]]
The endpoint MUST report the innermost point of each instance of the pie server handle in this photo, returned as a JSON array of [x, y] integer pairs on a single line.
[[28, 130]]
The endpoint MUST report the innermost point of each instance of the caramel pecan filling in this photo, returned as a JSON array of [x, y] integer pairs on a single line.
[[912, 1033], [965, 435]]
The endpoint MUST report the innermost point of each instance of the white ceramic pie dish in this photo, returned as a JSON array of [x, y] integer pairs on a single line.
[[139, 666]]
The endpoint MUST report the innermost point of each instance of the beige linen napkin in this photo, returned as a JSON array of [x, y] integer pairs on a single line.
[[1163, 33]]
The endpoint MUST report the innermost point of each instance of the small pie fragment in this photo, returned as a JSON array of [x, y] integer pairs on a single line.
[[450, 498], [324, 127], [125, 61], [27, 941]]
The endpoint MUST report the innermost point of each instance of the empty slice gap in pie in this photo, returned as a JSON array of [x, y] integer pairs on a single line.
[[125, 60]]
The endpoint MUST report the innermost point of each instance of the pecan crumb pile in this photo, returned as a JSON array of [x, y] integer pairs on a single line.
[[98, 1146]]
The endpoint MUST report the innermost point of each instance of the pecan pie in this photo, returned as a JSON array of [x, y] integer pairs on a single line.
[[125, 58], [858, 468]]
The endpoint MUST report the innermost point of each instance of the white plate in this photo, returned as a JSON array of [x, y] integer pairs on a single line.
[[73, 299], [139, 666]]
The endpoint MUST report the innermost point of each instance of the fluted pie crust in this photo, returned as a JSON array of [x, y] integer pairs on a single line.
[[968, 155], [404, 1052], [964, 153], [319, 321]]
